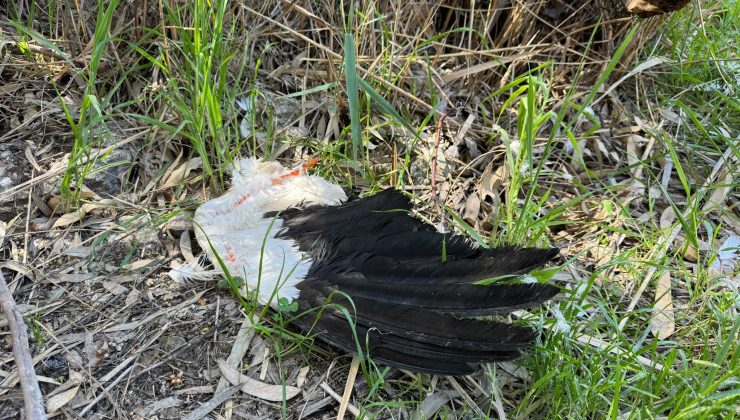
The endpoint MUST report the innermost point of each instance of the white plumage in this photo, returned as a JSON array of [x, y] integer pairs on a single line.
[[234, 225]]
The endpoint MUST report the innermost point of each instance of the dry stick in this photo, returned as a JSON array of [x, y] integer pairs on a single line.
[[27, 233], [665, 241], [465, 396], [351, 408], [348, 387], [106, 390], [433, 165], [211, 405], [32, 399]]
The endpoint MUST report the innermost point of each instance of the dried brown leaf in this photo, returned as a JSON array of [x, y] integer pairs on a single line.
[[77, 215], [689, 253], [718, 196], [186, 246], [667, 217], [727, 257], [90, 349], [18, 267], [670, 115], [150, 410], [114, 288], [433, 402], [60, 400], [135, 265], [472, 209], [632, 158], [302, 374], [132, 297], [491, 181], [3, 232], [182, 171], [487, 66], [663, 323], [256, 388], [78, 251], [57, 278]]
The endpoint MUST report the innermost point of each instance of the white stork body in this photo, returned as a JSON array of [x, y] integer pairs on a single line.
[[409, 288], [243, 238]]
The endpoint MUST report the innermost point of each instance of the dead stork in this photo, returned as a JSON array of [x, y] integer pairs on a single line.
[[409, 288]]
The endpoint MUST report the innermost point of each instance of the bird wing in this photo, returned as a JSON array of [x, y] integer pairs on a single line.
[[407, 288]]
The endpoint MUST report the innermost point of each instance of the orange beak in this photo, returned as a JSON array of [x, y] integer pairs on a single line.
[[295, 172]]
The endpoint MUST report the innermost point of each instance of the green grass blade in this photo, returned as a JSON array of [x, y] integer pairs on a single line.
[[386, 106], [353, 95]]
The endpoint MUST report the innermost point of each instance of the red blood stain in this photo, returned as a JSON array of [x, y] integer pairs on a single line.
[[230, 255]]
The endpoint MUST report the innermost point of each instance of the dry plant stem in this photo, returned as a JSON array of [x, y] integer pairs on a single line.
[[32, 399], [27, 234], [238, 350], [211, 405], [433, 165], [348, 387], [106, 391], [351, 408], [465, 396], [497, 401]]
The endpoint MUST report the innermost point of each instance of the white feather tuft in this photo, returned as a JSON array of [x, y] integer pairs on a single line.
[[561, 324], [193, 271], [528, 279], [245, 241]]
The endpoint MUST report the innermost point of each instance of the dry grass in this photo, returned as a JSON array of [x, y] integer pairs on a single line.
[[557, 124]]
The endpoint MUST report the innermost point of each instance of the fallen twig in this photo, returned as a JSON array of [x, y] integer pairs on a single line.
[[214, 402], [465, 396], [105, 391], [351, 408], [32, 399], [348, 387]]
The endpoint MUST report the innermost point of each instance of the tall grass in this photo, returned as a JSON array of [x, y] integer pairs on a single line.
[[195, 53]]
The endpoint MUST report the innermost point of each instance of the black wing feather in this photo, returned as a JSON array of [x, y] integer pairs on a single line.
[[409, 285]]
